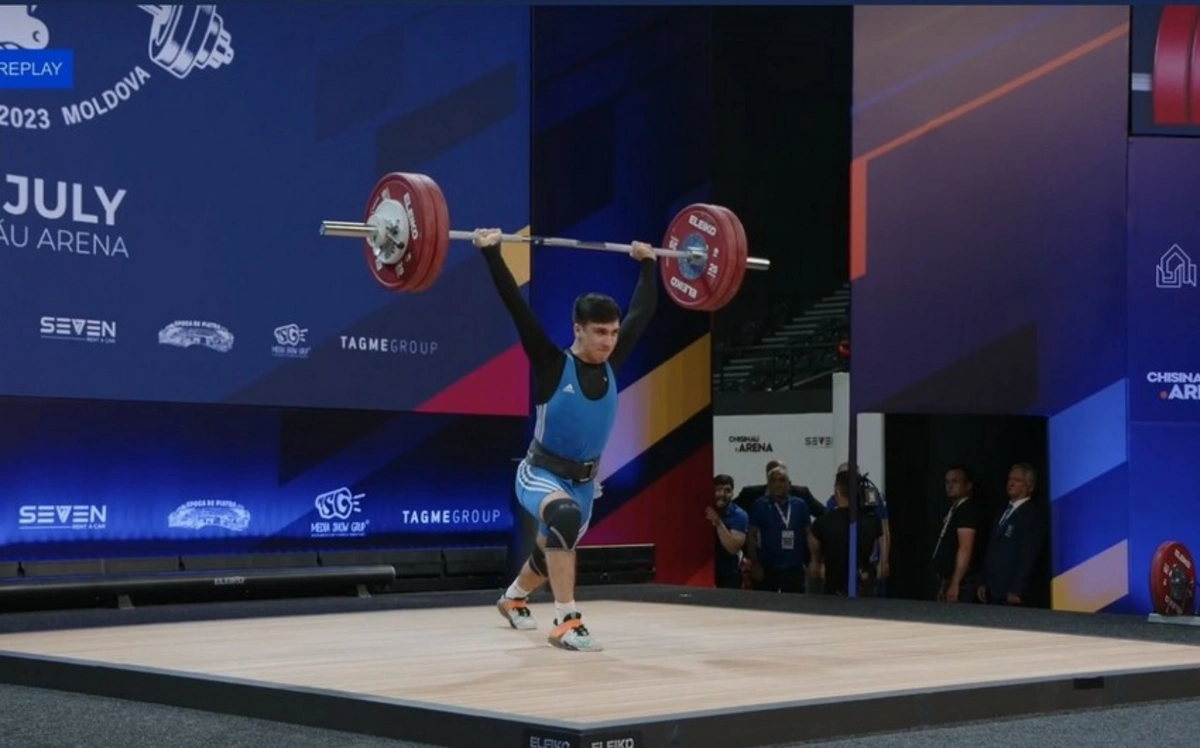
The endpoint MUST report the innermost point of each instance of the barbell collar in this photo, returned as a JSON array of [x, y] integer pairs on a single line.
[[347, 229]]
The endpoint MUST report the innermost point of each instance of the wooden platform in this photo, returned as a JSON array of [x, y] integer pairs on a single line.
[[669, 675]]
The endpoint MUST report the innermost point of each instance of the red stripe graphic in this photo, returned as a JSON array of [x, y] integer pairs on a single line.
[[500, 387], [670, 514]]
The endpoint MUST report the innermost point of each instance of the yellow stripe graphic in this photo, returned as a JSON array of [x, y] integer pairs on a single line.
[[660, 402], [1094, 584], [517, 256]]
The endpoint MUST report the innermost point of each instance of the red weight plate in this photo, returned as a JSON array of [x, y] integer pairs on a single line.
[[398, 194], [691, 284], [1194, 74], [738, 276], [440, 231], [424, 209], [1173, 580], [726, 261], [1173, 64]]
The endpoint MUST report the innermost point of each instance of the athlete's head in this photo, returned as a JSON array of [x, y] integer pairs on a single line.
[[597, 320]]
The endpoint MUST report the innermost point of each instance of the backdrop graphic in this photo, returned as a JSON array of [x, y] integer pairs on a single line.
[[742, 446], [614, 159], [159, 236], [988, 246], [1164, 363], [179, 478], [810, 444]]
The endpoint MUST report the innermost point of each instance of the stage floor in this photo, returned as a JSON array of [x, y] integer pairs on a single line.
[[659, 660], [663, 663]]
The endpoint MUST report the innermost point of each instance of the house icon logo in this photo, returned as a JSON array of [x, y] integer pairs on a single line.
[[1175, 269]]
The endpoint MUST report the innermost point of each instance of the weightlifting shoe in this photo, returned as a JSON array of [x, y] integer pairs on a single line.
[[517, 613], [573, 635]]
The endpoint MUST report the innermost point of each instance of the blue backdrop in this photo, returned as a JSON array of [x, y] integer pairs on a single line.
[[1164, 362], [159, 237]]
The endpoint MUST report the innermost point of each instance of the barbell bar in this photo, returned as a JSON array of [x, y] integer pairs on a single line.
[[406, 239], [352, 230]]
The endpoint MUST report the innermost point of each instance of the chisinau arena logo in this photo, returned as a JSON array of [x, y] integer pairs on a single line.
[[183, 39]]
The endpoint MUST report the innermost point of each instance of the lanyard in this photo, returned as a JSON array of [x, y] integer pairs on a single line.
[[787, 518], [946, 523]]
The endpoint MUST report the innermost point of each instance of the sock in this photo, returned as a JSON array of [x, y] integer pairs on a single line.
[[514, 592], [562, 610]]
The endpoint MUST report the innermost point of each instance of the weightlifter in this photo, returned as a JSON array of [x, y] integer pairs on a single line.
[[576, 399]]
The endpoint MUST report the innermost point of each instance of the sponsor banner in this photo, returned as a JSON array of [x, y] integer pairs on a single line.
[[811, 444], [336, 514], [152, 176]]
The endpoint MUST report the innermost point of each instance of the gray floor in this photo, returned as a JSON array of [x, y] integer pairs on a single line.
[[32, 718]]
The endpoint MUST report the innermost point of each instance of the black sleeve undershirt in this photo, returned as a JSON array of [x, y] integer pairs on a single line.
[[545, 358]]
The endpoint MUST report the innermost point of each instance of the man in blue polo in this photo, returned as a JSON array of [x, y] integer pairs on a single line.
[[778, 543]]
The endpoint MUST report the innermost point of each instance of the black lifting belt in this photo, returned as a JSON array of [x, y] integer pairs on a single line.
[[580, 472]]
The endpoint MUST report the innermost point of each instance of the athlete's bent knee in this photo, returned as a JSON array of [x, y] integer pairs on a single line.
[[565, 521], [537, 561]]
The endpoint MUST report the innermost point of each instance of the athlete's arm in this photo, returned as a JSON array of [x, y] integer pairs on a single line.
[[545, 358], [641, 306]]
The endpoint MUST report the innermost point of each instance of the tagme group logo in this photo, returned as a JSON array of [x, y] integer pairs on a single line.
[[183, 39]]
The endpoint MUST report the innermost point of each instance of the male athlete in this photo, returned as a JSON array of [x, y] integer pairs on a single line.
[[575, 392]]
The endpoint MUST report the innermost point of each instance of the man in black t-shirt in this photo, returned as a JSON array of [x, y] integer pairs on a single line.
[[956, 553], [829, 540]]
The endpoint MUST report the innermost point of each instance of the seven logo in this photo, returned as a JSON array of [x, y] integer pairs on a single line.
[[78, 329], [182, 39]]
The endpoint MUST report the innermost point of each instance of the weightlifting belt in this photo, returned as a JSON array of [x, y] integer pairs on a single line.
[[580, 472]]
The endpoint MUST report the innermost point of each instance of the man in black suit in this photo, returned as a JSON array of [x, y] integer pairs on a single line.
[[1015, 545], [750, 494]]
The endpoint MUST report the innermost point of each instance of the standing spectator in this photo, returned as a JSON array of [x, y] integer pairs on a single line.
[[731, 524], [878, 566], [956, 555], [829, 541], [778, 546], [750, 494], [1015, 545]]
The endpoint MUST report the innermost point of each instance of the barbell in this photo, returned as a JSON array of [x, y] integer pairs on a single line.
[[407, 237], [1174, 90]]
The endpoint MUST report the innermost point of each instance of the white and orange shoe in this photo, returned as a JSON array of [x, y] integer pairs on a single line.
[[573, 635], [516, 611]]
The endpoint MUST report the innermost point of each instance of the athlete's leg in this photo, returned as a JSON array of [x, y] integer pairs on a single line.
[[566, 518], [532, 485]]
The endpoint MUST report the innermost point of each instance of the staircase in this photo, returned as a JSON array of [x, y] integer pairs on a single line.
[[822, 319]]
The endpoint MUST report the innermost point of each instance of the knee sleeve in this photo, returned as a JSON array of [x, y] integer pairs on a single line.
[[537, 561], [565, 521]]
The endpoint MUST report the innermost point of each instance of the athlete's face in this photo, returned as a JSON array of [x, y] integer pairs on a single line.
[[597, 340]]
